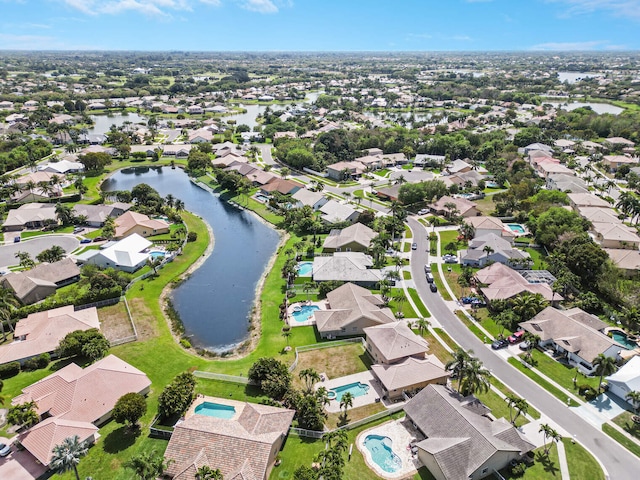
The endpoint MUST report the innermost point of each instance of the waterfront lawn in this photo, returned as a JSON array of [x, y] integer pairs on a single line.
[[234, 391], [335, 362]]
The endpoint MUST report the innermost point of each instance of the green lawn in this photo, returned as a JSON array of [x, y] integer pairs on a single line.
[[413, 293], [543, 468], [472, 326], [538, 256], [37, 233], [406, 247], [560, 373], [499, 407], [443, 291], [446, 339], [407, 232], [626, 423], [581, 463], [559, 394], [621, 439], [450, 236], [406, 275], [399, 303]]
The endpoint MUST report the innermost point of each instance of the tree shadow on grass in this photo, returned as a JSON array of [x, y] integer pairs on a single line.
[[550, 467], [120, 439], [343, 420]]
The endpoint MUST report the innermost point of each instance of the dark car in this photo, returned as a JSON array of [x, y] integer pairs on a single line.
[[432, 287], [85, 240], [16, 239], [498, 344], [99, 239]]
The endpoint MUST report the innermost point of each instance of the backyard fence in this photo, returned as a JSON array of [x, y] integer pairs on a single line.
[[98, 304], [122, 341], [156, 432], [224, 378], [318, 346]]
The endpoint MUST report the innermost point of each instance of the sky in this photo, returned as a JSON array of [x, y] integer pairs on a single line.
[[320, 25]]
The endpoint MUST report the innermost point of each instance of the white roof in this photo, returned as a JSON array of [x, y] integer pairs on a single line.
[[63, 166], [127, 252], [628, 375]]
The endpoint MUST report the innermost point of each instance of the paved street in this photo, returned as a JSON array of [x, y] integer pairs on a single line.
[[36, 245], [619, 463]]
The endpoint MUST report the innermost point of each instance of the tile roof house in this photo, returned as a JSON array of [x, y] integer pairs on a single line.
[[575, 334], [334, 212], [338, 170], [615, 235], [485, 225], [346, 267], [133, 222], [586, 200], [97, 214], [626, 260], [410, 375], [243, 447], [625, 380], [354, 238], [75, 401], [499, 251], [566, 183], [31, 286], [30, 215], [41, 332], [394, 342], [614, 162], [128, 254], [461, 440], [285, 187], [350, 310], [499, 282], [464, 207], [305, 197]]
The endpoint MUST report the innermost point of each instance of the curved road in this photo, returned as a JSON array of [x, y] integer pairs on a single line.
[[36, 245], [620, 463]]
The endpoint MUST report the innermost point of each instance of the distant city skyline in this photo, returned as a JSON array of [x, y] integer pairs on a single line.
[[320, 25]]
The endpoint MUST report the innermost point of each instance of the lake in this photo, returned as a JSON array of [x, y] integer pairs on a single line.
[[215, 301], [599, 108], [573, 77], [103, 122]]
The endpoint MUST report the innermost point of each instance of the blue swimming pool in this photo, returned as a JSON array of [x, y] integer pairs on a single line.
[[305, 269], [516, 228], [356, 389], [623, 340], [156, 254], [216, 410], [382, 454], [304, 313]]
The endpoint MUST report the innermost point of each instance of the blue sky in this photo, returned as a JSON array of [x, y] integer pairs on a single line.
[[320, 25]]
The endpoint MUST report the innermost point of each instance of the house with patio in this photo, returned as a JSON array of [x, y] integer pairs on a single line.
[[461, 441], [352, 267], [96, 215], [41, 332], [574, 334], [485, 225], [285, 187], [76, 401], [305, 197], [463, 207], [492, 248], [244, 446], [130, 223], [354, 238], [31, 286], [409, 376], [335, 212], [393, 342], [351, 309], [626, 380], [129, 254], [499, 282]]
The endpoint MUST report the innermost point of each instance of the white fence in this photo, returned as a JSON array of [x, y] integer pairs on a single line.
[[223, 377]]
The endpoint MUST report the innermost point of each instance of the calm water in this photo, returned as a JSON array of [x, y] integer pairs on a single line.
[[573, 77], [104, 122], [599, 108], [253, 110], [215, 301]]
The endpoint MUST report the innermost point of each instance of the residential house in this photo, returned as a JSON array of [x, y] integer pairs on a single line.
[[305, 197], [424, 159], [409, 376], [242, 447], [285, 187], [346, 267], [538, 147], [391, 193], [499, 282], [626, 260], [62, 167], [566, 183], [351, 309], [616, 235], [76, 401], [346, 170], [178, 151], [546, 168], [461, 441], [458, 166], [133, 222], [574, 334], [128, 254], [31, 215], [393, 342], [490, 225], [31, 286], [463, 207], [599, 215], [202, 135], [96, 215], [492, 248], [614, 162], [618, 142], [41, 332], [586, 200], [354, 238], [334, 212], [626, 380]]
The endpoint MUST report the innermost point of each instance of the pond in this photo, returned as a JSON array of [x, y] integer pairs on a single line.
[[253, 110], [103, 122], [599, 108], [214, 303], [573, 77]]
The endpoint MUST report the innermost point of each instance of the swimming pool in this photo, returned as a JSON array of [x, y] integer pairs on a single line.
[[623, 339], [304, 313], [305, 269], [356, 389], [516, 228], [261, 198], [216, 410], [156, 254], [382, 454]]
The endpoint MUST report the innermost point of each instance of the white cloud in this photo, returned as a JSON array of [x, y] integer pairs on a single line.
[[618, 8], [571, 46], [260, 6], [159, 8]]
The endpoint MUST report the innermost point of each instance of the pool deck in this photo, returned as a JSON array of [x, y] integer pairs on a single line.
[[401, 434], [239, 406], [375, 390], [312, 321]]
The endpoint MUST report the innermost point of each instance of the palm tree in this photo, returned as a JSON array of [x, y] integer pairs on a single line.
[[603, 366], [476, 378], [423, 326], [147, 466], [457, 366], [66, 456], [488, 250], [308, 287], [310, 377], [170, 199], [526, 305], [634, 398], [8, 302], [179, 205], [549, 433], [286, 333], [346, 401], [205, 472], [520, 404], [46, 188]]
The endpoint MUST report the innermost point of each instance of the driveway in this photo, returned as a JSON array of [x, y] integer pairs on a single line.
[[36, 245], [620, 463], [20, 466]]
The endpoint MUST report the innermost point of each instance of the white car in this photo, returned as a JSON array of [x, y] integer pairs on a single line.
[[4, 449]]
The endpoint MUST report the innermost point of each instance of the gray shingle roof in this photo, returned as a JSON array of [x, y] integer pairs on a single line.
[[357, 233], [396, 341]]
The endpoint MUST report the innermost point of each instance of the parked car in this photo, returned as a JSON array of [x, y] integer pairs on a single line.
[[427, 268], [85, 240], [4, 449], [16, 239], [524, 346], [429, 278], [516, 337], [414, 246], [448, 258], [500, 343], [432, 287], [78, 230], [99, 239], [424, 211]]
